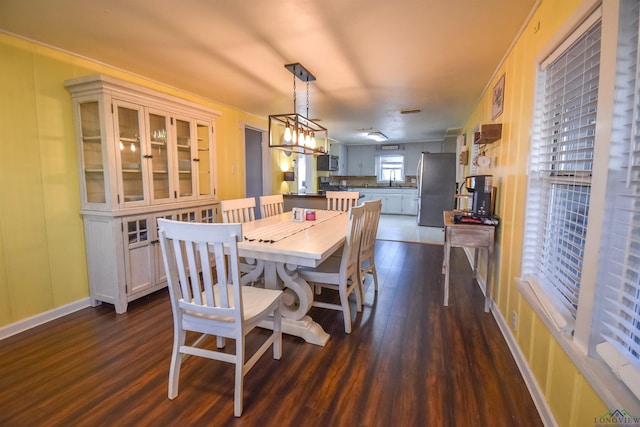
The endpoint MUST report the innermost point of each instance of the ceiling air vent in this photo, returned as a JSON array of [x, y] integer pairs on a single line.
[[414, 111]]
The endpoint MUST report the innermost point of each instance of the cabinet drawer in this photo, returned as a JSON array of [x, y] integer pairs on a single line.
[[469, 237]]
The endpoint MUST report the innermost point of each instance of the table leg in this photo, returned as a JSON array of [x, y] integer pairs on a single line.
[[487, 294], [445, 267], [476, 252]]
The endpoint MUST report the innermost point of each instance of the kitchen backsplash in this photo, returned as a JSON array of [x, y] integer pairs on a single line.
[[370, 181]]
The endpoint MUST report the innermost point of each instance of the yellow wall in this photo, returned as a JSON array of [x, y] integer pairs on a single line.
[[570, 397], [42, 260]]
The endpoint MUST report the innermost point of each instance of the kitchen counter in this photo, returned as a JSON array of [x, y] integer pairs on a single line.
[[294, 195], [385, 187], [304, 200]]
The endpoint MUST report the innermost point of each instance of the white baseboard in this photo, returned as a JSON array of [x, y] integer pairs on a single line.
[[41, 318], [534, 389], [532, 385]]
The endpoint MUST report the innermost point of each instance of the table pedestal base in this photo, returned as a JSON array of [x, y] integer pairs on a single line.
[[296, 302], [304, 328]]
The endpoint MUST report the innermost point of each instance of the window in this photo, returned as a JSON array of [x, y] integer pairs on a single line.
[[390, 168], [616, 325], [561, 165], [597, 305]]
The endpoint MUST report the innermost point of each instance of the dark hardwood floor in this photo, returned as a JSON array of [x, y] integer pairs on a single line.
[[408, 362]]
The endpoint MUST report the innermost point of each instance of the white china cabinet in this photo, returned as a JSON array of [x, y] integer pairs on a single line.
[[142, 155]]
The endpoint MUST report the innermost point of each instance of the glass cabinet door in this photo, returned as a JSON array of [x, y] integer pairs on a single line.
[[159, 156], [205, 177], [185, 163], [92, 157], [128, 133]]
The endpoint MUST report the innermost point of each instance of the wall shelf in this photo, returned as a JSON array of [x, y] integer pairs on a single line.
[[488, 134]]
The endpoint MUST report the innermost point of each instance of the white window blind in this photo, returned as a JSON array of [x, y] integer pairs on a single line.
[[618, 299], [560, 169]]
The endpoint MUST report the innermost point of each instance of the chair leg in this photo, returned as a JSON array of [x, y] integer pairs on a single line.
[[374, 273], [277, 329], [237, 395], [176, 360], [220, 341], [344, 301], [361, 279], [357, 286]]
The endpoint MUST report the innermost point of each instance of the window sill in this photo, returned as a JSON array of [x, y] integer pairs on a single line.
[[609, 388]]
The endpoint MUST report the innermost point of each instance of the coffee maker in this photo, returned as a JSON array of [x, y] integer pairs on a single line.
[[481, 186]]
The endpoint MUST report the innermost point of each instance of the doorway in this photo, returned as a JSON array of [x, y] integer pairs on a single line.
[[257, 168]]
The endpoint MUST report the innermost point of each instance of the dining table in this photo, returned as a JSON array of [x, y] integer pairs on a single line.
[[277, 246]]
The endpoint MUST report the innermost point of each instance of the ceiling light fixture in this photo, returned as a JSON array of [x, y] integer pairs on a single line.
[[377, 136], [411, 111], [294, 132]]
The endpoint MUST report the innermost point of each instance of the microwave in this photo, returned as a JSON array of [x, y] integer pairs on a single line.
[[327, 162]]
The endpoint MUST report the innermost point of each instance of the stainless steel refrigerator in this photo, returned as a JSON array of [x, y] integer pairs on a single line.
[[436, 187]]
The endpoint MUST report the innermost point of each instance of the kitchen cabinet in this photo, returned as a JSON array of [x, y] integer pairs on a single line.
[[342, 160], [410, 202], [141, 155], [395, 200], [361, 160], [391, 202]]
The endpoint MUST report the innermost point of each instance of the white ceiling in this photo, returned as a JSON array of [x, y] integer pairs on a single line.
[[371, 58]]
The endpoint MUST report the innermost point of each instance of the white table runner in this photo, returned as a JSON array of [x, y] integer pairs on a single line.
[[275, 232]]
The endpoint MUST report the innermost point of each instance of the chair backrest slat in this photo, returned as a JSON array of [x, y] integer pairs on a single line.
[[186, 250], [341, 200], [372, 209], [271, 205], [238, 210], [350, 254]]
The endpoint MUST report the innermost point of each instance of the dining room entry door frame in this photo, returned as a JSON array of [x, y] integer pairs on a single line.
[[257, 162]]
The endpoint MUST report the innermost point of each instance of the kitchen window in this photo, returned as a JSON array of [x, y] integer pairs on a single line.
[[390, 168], [581, 257]]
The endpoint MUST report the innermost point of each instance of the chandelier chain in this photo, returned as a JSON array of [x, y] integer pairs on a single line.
[[307, 99], [294, 93]]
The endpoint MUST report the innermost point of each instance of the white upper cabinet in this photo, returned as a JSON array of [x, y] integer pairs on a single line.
[[138, 147]]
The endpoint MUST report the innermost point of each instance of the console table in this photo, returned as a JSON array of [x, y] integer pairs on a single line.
[[470, 236]]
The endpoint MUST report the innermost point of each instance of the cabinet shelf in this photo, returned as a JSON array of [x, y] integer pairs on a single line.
[[184, 147], [97, 138], [94, 170], [488, 134], [134, 198]]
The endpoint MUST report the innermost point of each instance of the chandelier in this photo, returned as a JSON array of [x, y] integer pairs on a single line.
[[293, 132]]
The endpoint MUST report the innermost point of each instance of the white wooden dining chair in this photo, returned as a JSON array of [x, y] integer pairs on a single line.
[[241, 211], [341, 273], [271, 205], [367, 261], [341, 200], [238, 210], [216, 305]]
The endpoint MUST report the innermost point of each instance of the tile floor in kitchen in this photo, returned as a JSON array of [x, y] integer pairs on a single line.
[[405, 228]]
